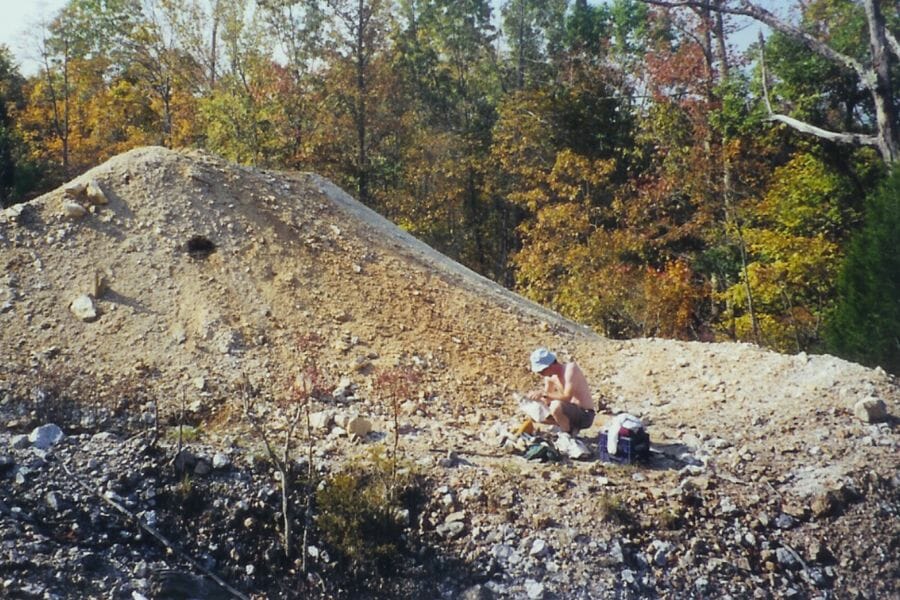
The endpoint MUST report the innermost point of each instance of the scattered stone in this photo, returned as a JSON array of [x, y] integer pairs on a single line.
[[20, 441], [472, 494], [452, 530], [477, 592], [727, 507], [820, 553], [691, 471], [539, 548], [797, 511], [73, 210], [179, 335], [459, 515], [534, 589], [94, 193], [75, 189], [784, 521], [358, 427], [7, 463], [321, 420], [221, 461], [719, 444], [871, 410], [185, 461], [54, 501], [83, 308], [786, 558], [661, 552], [46, 436]]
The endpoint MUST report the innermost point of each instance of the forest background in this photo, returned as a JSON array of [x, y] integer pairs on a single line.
[[621, 162]]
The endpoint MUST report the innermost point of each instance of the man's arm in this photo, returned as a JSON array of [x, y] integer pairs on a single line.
[[553, 392]]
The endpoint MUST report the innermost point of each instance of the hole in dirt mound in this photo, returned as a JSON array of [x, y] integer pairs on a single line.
[[200, 247]]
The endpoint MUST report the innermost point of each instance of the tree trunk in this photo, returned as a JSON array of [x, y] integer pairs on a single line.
[[361, 90], [881, 88]]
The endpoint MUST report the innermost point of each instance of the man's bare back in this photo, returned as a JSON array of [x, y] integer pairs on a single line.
[[579, 394], [565, 391]]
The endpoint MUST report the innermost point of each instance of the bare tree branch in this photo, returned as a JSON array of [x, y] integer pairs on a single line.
[[746, 9], [874, 76], [854, 139]]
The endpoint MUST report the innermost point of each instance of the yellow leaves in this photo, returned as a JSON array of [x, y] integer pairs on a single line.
[[791, 281], [805, 197], [575, 178]]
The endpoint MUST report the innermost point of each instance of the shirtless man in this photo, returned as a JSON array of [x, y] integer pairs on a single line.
[[565, 391]]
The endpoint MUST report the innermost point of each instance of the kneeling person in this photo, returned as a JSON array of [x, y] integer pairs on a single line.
[[565, 392]]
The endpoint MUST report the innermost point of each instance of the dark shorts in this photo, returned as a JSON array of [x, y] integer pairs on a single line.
[[579, 418]]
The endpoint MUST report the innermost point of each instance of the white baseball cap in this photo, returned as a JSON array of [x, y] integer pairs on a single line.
[[541, 359]]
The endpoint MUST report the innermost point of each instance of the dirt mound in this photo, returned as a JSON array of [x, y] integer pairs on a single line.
[[188, 273], [286, 255]]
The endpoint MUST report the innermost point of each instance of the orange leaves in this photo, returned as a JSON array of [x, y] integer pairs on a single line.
[[673, 301]]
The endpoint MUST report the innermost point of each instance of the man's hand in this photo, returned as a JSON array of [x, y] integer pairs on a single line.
[[535, 395]]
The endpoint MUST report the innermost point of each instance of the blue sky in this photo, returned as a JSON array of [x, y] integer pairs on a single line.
[[18, 17]]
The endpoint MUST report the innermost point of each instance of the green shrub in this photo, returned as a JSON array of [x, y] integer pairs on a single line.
[[865, 326], [358, 515], [614, 510], [359, 521]]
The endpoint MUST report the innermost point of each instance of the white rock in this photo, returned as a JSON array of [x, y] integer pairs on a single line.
[[321, 420], [83, 308], [719, 443], [95, 193], [661, 552], [45, 436], [871, 410], [727, 506], [220, 460], [359, 427], [451, 530], [12, 213], [472, 494], [502, 552], [344, 389], [179, 334], [459, 515], [74, 190], [534, 589], [539, 548], [73, 210]]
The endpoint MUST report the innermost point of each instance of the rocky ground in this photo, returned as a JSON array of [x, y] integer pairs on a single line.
[[163, 292]]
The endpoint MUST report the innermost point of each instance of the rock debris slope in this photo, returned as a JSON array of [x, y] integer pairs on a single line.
[[775, 475]]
